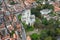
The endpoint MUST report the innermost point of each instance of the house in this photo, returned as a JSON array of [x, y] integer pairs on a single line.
[[7, 13], [28, 3], [1, 17], [1, 13], [56, 5], [10, 27], [27, 17], [1, 20], [3, 30], [28, 38]]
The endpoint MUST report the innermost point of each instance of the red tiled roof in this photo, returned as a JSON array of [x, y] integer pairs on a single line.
[[28, 38], [56, 7]]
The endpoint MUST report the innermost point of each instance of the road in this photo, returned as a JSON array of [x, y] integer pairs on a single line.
[[23, 33], [23, 30]]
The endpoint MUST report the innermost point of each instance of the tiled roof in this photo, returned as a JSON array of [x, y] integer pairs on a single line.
[[28, 38], [56, 7]]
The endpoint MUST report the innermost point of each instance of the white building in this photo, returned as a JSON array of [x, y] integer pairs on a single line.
[[27, 17], [45, 11], [48, 1]]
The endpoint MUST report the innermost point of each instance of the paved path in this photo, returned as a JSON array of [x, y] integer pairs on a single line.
[[34, 31]]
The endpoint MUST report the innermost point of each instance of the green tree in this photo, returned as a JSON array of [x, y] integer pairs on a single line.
[[28, 27], [12, 3], [36, 12], [35, 36], [19, 17], [43, 34], [39, 1], [58, 31], [48, 38], [44, 21]]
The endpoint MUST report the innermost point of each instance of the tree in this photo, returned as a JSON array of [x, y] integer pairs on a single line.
[[19, 17], [28, 27], [35, 36], [44, 21], [52, 23], [43, 34], [12, 3], [52, 14], [36, 12], [58, 31], [39, 1], [48, 38], [24, 3], [37, 23], [48, 34]]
